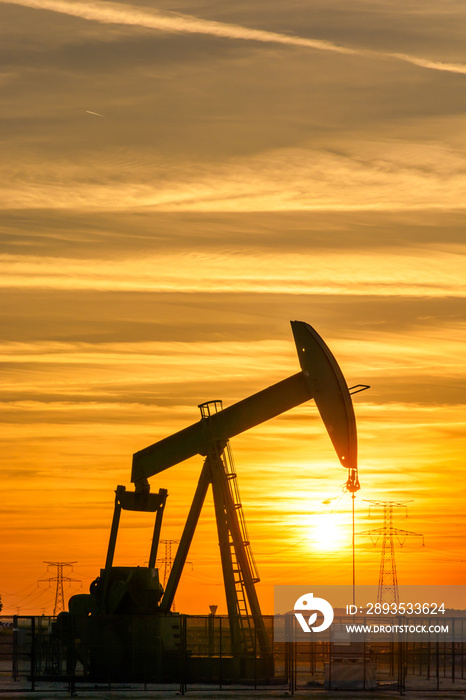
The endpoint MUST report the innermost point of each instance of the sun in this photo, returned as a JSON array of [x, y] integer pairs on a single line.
[[327, 532]]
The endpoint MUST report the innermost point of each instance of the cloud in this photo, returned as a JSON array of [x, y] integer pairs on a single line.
[[103, 235], [414, 273], [371, 176], [116, 13]]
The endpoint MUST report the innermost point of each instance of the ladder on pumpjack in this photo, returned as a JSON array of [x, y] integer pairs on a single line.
[[232, 501]]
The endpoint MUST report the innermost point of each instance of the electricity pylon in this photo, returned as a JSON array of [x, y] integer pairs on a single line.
[[59, 579], [388, 581], [167, 562]]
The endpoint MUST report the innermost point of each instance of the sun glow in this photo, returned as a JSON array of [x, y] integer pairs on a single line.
[[327, 532]]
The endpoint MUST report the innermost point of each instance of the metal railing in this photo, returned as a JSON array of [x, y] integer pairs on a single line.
[[40, 653]]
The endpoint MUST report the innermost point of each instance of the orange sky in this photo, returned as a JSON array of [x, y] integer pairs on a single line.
[[250, 167]]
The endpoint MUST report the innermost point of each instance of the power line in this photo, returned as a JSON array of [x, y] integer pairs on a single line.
[[28, 599]]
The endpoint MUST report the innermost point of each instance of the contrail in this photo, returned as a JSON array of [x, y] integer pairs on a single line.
[[97, 114], [115, 13], [426, 63]]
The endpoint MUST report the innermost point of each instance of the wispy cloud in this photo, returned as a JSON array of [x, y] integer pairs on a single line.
[[371, 177], [113, 13], [415, 273]]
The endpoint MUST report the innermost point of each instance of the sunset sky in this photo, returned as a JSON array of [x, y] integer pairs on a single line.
[[179, 181]]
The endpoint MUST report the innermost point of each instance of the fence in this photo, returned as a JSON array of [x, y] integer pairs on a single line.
[[183, 653]]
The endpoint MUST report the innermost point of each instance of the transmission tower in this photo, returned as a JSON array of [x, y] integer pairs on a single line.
[[167, 562], [388, 581], [59, 579]]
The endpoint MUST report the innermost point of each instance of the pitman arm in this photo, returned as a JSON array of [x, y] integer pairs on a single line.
[[320, 379]]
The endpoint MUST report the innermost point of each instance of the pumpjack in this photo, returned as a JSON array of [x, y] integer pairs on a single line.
[[121, 597]]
